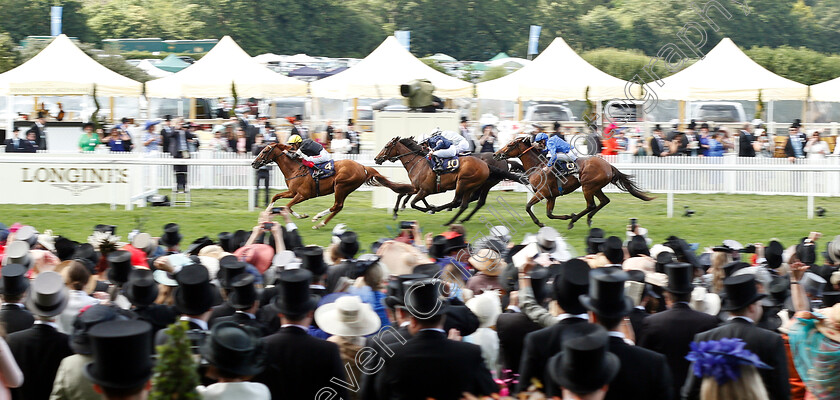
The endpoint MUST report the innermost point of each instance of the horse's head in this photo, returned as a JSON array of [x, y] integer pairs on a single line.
[[388, 152], [514, 149], [268, 154]]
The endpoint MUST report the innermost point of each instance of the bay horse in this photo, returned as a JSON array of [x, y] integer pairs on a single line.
[[472, 181], [594, 174], [349, 175]]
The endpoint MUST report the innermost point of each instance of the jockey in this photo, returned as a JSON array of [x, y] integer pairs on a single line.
[[311, 152], [459, 142], [440, 147], [553, 146]]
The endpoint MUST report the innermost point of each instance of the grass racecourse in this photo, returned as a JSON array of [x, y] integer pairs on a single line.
[[745, 218]]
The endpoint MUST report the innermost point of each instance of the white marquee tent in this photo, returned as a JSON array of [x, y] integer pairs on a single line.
[[726, 73], [63, 69], [153, 71], [558, 73], [380, 74], [826, 91], [212, 75]]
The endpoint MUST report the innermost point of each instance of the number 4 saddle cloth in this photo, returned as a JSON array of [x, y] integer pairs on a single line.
[[324, 170]]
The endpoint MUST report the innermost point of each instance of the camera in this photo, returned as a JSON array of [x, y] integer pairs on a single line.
[[267, 225], [277, 210], [633, 223], [406, 224]]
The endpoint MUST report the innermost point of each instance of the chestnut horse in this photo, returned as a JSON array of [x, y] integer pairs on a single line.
[[595, 173], [349, 175]]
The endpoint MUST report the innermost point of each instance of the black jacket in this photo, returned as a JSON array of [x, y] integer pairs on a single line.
[[644, 374], [671, 332], [539, 347], [431, 366], [160, 316], [38, 352], [512, 328], [15, 318], [174, 141], [244, 320], [790, 152], [637, 317], [24, 146], [745, 144], [222, 310], [767, 345], [298, 365], [40, 136], [655, 149], [384, 342]]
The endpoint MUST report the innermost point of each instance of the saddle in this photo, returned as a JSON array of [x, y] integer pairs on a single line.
[[567, 168]]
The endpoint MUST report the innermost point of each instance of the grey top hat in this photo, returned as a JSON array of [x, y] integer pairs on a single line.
[[48, 295], [546, 238], [17, 252], [812, 283], [27, 234]]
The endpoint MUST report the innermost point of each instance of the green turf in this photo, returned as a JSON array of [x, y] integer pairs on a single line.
[[745, 218]]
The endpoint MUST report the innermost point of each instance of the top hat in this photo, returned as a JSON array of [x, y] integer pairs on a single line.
[[396, 289], [348, 245], [680, 276], [347, 316], [454, 242], [244, 293], [122, 354], [87, 318], [225, 239], [438, 247], [773, 254], [350, 121], [194, 294], [429, 270], [464, 118], [17, 252], [692, 125], [199, 244], [740, 292], [234, 349], [570, 283], [585, 364], [229, 268], [807, 253], [64, 248], [658, 128], [295, 298], [14, 281], [796, 123], [613, 250], [298, 117], [423, 299], [594, 240], [779, 290], [704, 126], [48, 296], [662, 259], [733, 267], [830, 299], [638, 246], [812, 284], [539, 280], [487, 261], [120, 266], [547, 238], [312, 259], [606, 293], [171, 235], [86, 254], [141, 288], [27, 234]]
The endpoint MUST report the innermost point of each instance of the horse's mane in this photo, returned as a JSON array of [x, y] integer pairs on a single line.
[[411, 144]]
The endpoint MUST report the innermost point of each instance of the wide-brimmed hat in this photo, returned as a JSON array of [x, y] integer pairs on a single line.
[[585, 364], [487, 307], [606, 293], [773, 254], [48, 296], [312, 259], [14, 281], [64, 248], [234, 349], [141, 288], [705, 302], [571, 282], [487, 261], [680, 276], [642, 263], [194, 294], [244, 293], [454, 242], [348, 244], [171, 235], [87, 318], [143, 241], [17, 252], [229, 268], [122, 354], [198, 244], [295, 297], [259, 255], [423, 298], [830, 326], [119, 266], [347, 316], [733, 267], [740, 292]]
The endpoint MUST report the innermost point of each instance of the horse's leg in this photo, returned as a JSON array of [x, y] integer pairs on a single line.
[[534, 200], [397, 205], [405, 202], [549, 209], [420, 196], [590, 205], [603, 200], [282, 195], [297, 199], [341, 194], [465, 202], [482, 198]]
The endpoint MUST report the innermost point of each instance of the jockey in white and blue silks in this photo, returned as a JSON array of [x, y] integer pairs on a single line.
[[440, 147], [459, 142], [556, 147]]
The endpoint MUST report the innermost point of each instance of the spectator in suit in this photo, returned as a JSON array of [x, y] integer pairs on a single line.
[[298, 365], [743, 304], [40, 349], [229, 269], [142, 291], [659, 147], [33, 143], [671, 332], [263, 174], [194, 301], [243, 299], [585, 369], [745, 142], [643, 374], [513, 325], [795, 146], [235, 355], [354, 137], [15, 144], [13, 314], [40, 130], [122, 359], [178, 141]]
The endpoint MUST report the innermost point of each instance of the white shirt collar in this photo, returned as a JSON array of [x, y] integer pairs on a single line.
[[252, 316], [305, 328], [21, 305], [514, 308], [640, 308], [50, 323], [434, 329], [201, 323], [617, 334], [406, 323], [742, 317], [563, 316]]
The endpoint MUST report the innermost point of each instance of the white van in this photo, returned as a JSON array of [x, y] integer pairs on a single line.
[[717, 111]]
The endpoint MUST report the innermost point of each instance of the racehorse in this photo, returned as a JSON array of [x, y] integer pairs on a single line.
[[472, 181], [595, 173], [349, 175]]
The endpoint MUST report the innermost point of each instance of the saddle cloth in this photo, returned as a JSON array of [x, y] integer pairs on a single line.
[[327, 168], [565, 168], [450, 165]]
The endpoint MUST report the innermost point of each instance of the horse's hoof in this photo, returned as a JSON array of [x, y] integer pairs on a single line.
[[431, 212], [318, 226], [315, 219], [304, 216], [394, 217], [571, 225], [541, 225], [589, 223]]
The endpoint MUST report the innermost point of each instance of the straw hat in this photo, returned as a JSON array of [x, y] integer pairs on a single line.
[[830, 327], [347, 316], [487, 261], [487, 307], [705, 302], [641, 263]]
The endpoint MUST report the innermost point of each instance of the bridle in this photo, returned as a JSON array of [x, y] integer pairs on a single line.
[[518, 142], [265, 160], [410, 163]]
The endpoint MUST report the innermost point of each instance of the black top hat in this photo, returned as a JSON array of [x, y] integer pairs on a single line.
[[111, 229], [88, 256], [225, 241], [662, 259], [796, 123], [438, 247], [570, 283], [423, 298], [613, 250], [635, 275], [64, 248], [48, 296], [96, 314], [141, 289], [14, 280], [692, 125], [429, 270], [234, 349], [312, 259], [397, 287], [295, 298], [349, 244], [120, 266], [298, 117], [638, 246], [199, 244], [773, 254], [606, 293], [244, 293], [592, 243], [657, 128], [680, 276], [362, 265], [779, 290], [740, 292], [704, 126], [456, 242], [733, 267], [171, 235], [464, 118], [122, 354], [829, 299], [584, 365], [557, 125], [807, 253], [229, 268], [194, 294], [238, 239]]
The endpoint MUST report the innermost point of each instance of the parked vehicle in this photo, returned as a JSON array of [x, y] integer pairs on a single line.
[[717, 111], [548, 112]]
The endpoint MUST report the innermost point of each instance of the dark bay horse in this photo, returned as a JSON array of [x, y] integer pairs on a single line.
[[349, 175], [595, 173], [472, 181]]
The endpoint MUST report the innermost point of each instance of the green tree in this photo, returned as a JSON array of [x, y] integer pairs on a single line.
[[175, 376], [8, 55], [493, 73], [622, 64], [168, 19], [22, 18]]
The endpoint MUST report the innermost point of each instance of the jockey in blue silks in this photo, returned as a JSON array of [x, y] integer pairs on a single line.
[[440, 147], [556, 147]]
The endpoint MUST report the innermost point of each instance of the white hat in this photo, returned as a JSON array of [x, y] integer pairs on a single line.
[[487, 307], [47, 240], [212, 265], [658, 248], [501, 232], [347, 316], [634, 290], [705, 302]]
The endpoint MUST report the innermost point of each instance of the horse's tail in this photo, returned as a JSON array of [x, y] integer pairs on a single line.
[[625, 183], [497, 173], [515, 166], [374, 178]]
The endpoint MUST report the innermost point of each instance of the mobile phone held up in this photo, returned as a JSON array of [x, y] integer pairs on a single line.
[[268, 225], [406, 224], [277, 210]]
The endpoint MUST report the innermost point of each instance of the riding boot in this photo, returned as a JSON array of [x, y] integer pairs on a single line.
[[438, 168]]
